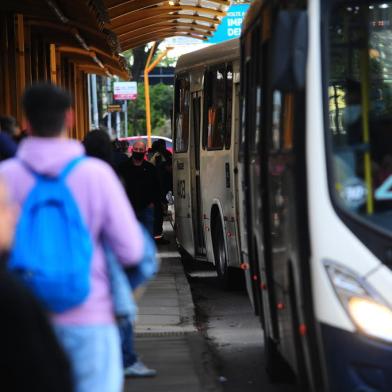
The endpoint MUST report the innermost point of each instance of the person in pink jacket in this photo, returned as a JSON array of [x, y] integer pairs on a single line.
[[87, 332]]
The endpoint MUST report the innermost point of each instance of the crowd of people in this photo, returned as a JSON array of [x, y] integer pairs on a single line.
[[70, 262]]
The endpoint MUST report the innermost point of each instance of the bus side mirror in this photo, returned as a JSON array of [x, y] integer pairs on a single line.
[[289, 52]]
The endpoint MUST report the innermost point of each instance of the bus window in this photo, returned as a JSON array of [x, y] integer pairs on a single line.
[[229, 104], [181, 115], [214, 132], [276, 120], [360, 109], [288, 122], [255, 90]]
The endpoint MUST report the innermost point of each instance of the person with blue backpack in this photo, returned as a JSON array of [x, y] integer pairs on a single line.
[[69, 209]]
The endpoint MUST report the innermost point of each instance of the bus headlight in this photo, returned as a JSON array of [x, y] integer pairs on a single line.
[[368, 311]]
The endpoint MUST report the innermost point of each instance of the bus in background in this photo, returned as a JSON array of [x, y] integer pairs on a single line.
[[316, 146], [205, 136]]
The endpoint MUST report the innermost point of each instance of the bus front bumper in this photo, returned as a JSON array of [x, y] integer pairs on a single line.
[[356, 363]]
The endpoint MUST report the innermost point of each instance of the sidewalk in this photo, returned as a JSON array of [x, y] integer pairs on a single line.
[[166, 338]]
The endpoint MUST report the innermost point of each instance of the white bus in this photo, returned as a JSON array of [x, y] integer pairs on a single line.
[[316, 146], [205, 136]]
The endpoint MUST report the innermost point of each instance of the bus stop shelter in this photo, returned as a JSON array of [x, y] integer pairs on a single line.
[[63, 41]]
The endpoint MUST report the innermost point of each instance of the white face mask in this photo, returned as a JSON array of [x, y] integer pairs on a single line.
[[351, 114]]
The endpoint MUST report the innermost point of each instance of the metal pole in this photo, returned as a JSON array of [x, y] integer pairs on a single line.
[[149, 67], [108, 91], [125, 108], [118, 124], [89, 100], [95, 101], [147, 94]]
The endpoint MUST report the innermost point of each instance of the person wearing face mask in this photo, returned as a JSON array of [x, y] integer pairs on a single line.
[[142, 185]]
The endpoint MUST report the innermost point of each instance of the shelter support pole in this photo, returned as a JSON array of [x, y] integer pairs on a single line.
[[125, 109], [147, 94], [149, 67], [89, 101], [94, 101], [21, 64], [118, 125], [53, 64], [108, 89]]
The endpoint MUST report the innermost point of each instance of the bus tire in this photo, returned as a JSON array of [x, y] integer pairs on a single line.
[[225, 274]]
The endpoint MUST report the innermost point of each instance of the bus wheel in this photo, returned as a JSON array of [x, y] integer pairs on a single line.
[[220, 255]]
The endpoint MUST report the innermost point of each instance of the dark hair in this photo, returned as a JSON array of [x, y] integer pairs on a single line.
[[45, 106], [155, 146], [97, 144], [124, 146], [7, 124]]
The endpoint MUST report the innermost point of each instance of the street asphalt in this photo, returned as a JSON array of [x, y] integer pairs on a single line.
[[198, 337]]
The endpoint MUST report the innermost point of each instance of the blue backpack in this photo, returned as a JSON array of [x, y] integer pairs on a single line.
[[53, 249]]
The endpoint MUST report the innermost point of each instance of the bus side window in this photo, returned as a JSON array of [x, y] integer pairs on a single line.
[[182, 115], [282, 122], [214, 131], [276, 121]]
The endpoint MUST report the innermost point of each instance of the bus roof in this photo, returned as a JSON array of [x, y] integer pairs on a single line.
[[251, 15], [214, 54]]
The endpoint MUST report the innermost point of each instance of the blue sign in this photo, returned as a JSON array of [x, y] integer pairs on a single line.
[[230, 26]]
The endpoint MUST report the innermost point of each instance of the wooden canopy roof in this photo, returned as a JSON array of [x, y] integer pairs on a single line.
[[95, 32], [137, 22]]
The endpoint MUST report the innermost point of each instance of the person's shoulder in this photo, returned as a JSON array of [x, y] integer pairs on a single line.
[[9, 166], [124, 163]]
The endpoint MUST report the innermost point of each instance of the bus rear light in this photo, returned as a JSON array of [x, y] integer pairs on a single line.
[[255, 277], [368, 311], [244, 266], [280, 306]]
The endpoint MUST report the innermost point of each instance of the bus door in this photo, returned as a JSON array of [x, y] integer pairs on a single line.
[[182, 164], [195, 176]]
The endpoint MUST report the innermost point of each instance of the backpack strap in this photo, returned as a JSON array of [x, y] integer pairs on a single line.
[[63, 174], [69, 167], [30, 169]]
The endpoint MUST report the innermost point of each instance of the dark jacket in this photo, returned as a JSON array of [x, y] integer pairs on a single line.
[[141, 184], [31, 359], [7, 146]]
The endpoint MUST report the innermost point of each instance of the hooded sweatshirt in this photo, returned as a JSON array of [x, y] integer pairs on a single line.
[[103, 204]]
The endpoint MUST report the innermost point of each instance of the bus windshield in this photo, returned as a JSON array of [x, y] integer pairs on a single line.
[[360, 108]]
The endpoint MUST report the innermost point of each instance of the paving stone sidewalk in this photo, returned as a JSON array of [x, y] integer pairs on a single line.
[[166, 338]]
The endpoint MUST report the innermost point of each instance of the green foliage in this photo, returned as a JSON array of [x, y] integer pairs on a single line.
[[161, 98]]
